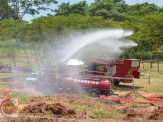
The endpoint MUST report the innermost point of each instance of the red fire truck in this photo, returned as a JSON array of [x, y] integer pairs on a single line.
[[95, 79], [119, 70], [49, 83]]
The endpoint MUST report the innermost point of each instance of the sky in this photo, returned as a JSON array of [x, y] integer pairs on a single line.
[[130, 2]]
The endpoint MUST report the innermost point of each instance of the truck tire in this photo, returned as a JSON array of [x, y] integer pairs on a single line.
[[116, 82], [94, 93]]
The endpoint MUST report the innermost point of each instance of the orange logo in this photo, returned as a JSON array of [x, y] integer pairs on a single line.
[[8, 108]]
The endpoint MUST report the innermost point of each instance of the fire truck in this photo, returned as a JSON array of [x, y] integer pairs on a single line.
[[50, 82], [94, 78], [119, 70]]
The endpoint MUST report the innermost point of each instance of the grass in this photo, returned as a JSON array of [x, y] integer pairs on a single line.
[[112, 114], [101, 113], [78, 107], [146, 71], [98, 111], [21, 98], [52, 101], [153, 87], [85, 97], [150, 80], [141, 85]]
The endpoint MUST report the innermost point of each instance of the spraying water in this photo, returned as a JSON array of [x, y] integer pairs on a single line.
[[113, 40]]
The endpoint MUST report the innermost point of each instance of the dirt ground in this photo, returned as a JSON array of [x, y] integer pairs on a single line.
[[76, 108], [56, 108]]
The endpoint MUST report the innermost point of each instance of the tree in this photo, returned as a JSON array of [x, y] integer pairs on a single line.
[[109, 9], [23, 7], [142, 9], [49, 31], [161, 9], [148, 33], [63, 9], [6, 12], [66, 9], [44, 34], [136, 12], [9, 34]]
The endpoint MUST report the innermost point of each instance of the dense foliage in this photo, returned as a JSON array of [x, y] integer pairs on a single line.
[[66, 9], [145, 20]]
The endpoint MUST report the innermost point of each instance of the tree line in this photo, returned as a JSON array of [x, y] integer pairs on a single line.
[[145, 20]]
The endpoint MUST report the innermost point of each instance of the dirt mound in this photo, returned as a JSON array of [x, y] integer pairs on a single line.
[[132, 116], [133, 96], [109, 102], [158, 114], [85, 100], [55, 109]]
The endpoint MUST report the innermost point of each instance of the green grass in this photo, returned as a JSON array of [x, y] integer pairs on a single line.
[[78, 107], [85, 97], [146, 71], [153, 87], [52, 101], [21, 98], [148, 84], [141, 85], [111, 114], [98, 111]]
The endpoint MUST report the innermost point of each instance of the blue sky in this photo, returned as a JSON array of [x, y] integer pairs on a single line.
[[130, 2]]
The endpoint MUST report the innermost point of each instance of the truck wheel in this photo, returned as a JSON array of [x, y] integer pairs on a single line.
[[94, 93], [116, 82]]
